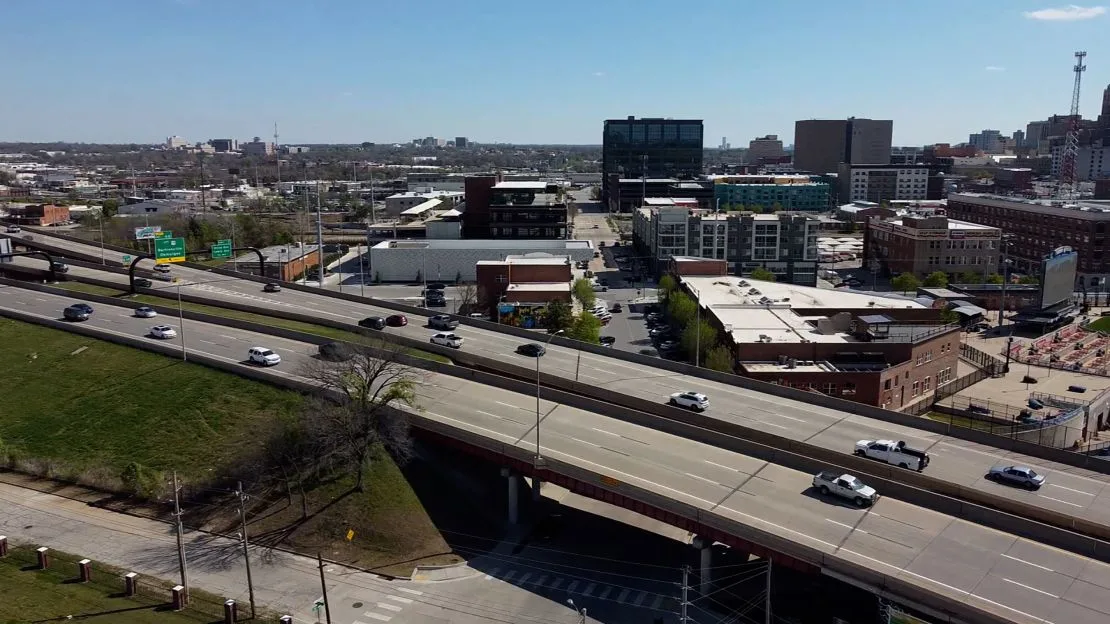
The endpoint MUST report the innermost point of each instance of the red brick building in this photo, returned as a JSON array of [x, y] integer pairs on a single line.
[[39, 214], [522, 286], [686, 265]]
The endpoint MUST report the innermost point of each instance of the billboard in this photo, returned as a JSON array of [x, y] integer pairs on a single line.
[[1058, 276], [148, 232]]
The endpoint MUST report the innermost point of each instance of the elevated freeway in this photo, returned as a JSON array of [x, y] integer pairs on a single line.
[[961, 570], [1080, 497]]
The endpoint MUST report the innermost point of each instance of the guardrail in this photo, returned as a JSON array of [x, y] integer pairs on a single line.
[[600, 481], [1054, 528]]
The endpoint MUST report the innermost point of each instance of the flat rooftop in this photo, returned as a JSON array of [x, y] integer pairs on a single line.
[[278, 253], [953, 224], [752, 310], [421, 208], [1091, 209], [521, 185], [530, 260], [540, 287], [469, 243], [656, 202]]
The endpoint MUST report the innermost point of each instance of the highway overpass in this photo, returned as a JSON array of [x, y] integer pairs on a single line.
[[952, 566], [1075, 497]]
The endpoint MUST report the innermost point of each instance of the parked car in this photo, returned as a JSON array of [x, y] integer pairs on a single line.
[[59, 267], [668, 345], [163, 331], [272, 287], [372, 322], [599, 287], [654, 317], [143, 282], [263, 356], [447, 339], [396, 320], [1021, 476], [845, 486], [335, 352], [437, 286], [73, 313], [660, 332], [532, 349], [162, 267], [690, 400], [145, 312], [435, 302], [894, 453], [442, 321], [854, 282], [616, 307]]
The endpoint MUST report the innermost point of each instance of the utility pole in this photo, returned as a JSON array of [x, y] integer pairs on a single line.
[[319, 233], [323, 587], [683, 617], [246, 545], [180, 536], [767, 600]]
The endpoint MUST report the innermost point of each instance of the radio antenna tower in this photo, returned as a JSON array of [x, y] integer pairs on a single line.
[[1068, 188], [277, 157]]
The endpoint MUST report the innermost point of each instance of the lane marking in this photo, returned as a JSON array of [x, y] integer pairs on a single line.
[[1029, 563], [617, 435], [509, 576], [621, 596], [713, 463], [655, 604], [376, 616], [400, 599], [570, 588], [847, 526], [524, 578], [1070, 489], [414, 592], [540, 581], [1059, 501], [639, 599], [1039, 591], [557, 583], [585, 442], [389, 607], [701, 478]]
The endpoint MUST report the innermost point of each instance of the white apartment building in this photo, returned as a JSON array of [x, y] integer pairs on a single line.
[[879, 183], [1092, 162]]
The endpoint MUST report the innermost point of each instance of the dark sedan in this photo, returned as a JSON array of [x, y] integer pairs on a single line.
[[372, 322], [531, 349]]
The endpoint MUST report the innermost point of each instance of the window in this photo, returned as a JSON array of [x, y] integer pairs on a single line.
[[829, 388], [886, 385], [927, 383], [916, 388]]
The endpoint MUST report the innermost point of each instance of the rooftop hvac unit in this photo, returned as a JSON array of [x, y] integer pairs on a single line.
[[782, 358], [792, 363], [743, 283]]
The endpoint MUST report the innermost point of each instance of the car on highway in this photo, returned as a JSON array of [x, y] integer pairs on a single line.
[[607, 341], [263, 356], [59, 267], [335, 352], [372, 322], [845, 486], [83, 306], [73, 313], [893, 453], [13, 229], [531, 349], [435, 302], [163, 331], [143, 282], [162, 267], [272, 287], [442, 321], [448, 339], [690, 400], [145, 312], [397, 320], [437, 286], [1021, 476]]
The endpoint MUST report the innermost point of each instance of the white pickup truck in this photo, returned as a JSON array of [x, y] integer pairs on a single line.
[[845, 486], [894, 453]]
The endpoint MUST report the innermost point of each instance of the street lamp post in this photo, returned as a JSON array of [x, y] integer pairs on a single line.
[[539, 456], [101, 220], [361, 273], [181, 322], [581, 612]]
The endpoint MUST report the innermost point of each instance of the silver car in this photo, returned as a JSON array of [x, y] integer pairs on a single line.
[[1021, 476]]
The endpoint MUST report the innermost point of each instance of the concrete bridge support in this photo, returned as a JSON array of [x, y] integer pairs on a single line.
[[513, 481], [705, 569]]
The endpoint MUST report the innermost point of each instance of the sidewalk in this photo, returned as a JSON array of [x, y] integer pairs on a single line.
[[282, 581]]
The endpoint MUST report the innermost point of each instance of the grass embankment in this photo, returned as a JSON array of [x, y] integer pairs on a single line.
[[85, 410], [261, 319], [1101, 324], [49, 595]]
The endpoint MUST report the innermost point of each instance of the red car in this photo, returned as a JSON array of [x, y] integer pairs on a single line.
[[397, 320]]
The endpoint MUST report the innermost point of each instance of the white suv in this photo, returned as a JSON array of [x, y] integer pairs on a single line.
[[263, 356], [690, 400], [447, 339], [164, 332]]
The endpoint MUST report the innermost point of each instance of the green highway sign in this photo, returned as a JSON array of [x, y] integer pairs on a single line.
[[221, 249], [169, 249]]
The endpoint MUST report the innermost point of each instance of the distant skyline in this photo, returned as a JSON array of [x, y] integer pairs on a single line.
[[347, 71]]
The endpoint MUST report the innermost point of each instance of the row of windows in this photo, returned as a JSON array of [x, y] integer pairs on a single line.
[[987, 261]]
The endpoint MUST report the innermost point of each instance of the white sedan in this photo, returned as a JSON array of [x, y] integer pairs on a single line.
[[145, 312], [163, 331], [448, 340]]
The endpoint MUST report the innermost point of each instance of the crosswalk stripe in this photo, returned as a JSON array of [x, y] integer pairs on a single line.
[[400, 599], [557, 583], [605, 594], [570, 588], [589, 589], [639, 599], [540, 581], [492, 573], [377, 616], [388, 607], [622, 595], [524, 578], [414, 592], [509, 575], [658, 601]]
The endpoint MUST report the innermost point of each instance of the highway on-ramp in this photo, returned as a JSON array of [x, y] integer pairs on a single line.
[[1075, 492], [1017, 579]]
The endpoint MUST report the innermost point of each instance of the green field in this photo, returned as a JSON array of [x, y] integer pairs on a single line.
[[83, 409], [1101, 324], [48, 595], [261, 319]]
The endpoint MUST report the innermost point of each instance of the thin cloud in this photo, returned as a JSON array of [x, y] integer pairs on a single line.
[[598, 74], [994, 68], [1070, 13]]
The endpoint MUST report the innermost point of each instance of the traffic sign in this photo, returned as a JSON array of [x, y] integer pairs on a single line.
[[221, 249], [169, 249], [160, 233], [126, 259]]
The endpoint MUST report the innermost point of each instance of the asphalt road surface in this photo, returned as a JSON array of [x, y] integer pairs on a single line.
[[1018, 579]]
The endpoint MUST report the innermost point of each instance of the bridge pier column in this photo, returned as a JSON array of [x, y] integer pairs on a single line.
[[514, 488], [537, 492], [705, 570]]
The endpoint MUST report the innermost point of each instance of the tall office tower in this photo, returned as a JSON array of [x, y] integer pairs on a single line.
[[650, 147], [820, 145]]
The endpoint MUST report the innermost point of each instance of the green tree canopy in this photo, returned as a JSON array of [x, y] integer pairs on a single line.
[[970, 277], [719, 358], [559, 315], [994, 278], [1029, 279], [936, 279], [692, 336], [905, 282], [760, 273], [667, 285], [109, 208], [681, 308], [586, 327], [584, 292]]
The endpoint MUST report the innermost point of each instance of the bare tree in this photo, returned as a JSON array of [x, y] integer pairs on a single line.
[[365, 384], [468, 297]]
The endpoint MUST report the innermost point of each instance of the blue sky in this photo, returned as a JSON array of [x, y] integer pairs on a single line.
[[535, 72]]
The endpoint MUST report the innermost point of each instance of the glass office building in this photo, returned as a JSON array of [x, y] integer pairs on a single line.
[[651, 148]]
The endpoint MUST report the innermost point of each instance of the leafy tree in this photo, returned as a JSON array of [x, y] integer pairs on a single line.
[[949, 316], [681, 308], [586, 327], [109, 208], [1029, 279], [559, 316], [595, 193], [719, 358], [776, 207], [969, 277], [994, 278], [906, 282], [691, 337], [667, 285], [936, 279], [755, 208], [760, 273], [584, 292]]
